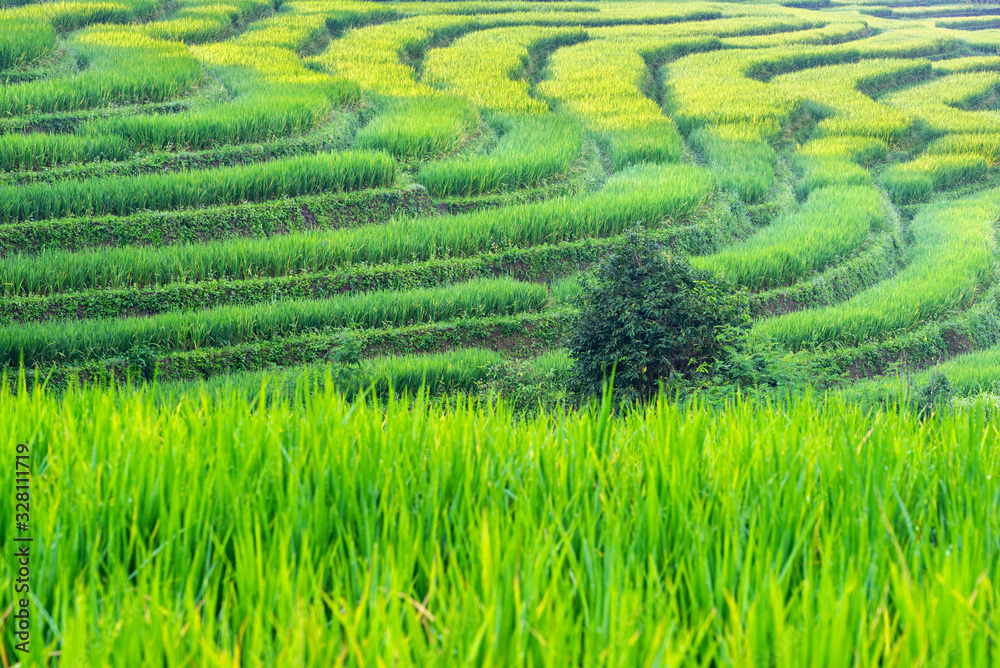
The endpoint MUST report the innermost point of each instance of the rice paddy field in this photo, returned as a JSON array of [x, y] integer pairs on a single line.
[[284, 290]]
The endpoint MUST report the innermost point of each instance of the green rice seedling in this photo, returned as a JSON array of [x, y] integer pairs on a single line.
[[486, 66], [914, 181], [650, 194], [822, 533], [224, 185], [24, 41], [80, 340], [833, 223], [953, 257], [739, 158], [123, 66], [531, 150], [39, 151], [938, 104], [967, 374], [986, 145], [602, 83], [840, 95], [419, 126]]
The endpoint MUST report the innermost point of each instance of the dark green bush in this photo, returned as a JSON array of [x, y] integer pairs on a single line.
[[652, 318]]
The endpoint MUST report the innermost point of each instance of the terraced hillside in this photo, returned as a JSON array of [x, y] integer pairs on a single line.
[[219, 193], [216, 188]]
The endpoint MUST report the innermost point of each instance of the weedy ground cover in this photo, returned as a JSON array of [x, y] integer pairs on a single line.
[[77, 340], [819, 526], [952, 259]]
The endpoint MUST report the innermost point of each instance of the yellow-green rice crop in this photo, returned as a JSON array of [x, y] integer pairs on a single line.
[[531, 150], [38, 151], [602, 82], [78, 340], [986, 145], [739, 158], [952, 259], [914, 181], [650, 194], [486, 66], [937, 104], [122, 66], [320, 531], [833, 223], [420, 126], [837, 93], [224, 185]]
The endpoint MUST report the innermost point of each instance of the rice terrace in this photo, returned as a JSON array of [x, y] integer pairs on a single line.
[[500, 333]]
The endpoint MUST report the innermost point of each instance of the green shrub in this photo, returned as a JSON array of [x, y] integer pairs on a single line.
[[648, 316]]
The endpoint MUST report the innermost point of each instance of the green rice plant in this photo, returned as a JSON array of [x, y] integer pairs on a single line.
[[24, 41], [833, 223], [67, 15], [123, 66], [602, 82], [275, 96], [198, 21], [986, 145], [739, 158], [938, 104], [967, 374], [815, 533], [39, 151], [837, 160], [419, 126], [969, 23], [296, 26], [224, 185], [966, 64], [840, 95], [441, 373], [727, 88], [486, 66], [650, 194], [952, 259], [914, 181], [81, 340], [374, 56], [531, 150]]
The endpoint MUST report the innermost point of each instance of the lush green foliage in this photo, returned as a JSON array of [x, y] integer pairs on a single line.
[[648, 317], [818, 527]]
